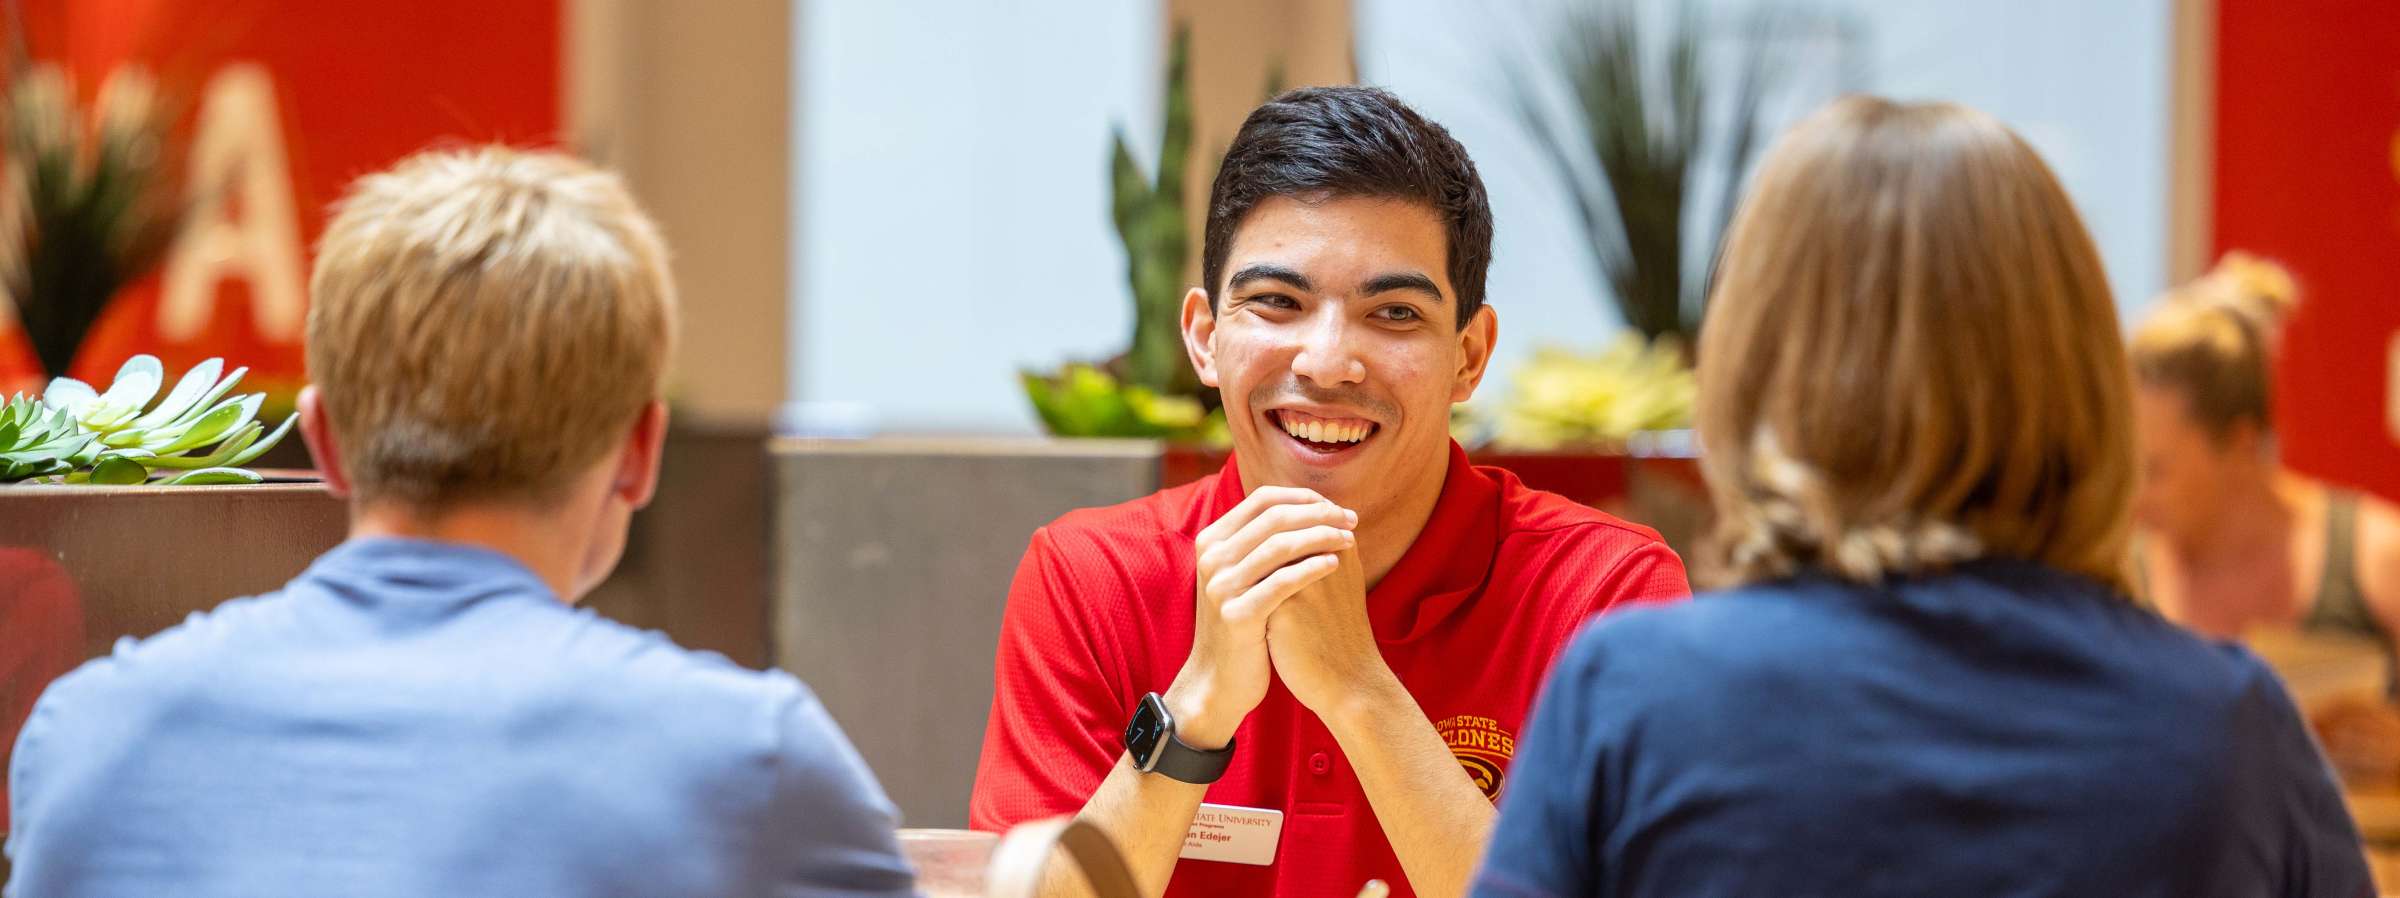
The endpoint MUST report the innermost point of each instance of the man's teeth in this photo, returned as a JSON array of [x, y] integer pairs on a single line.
[[1327, 431]]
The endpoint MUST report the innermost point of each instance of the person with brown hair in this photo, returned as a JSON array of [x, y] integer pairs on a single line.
[[2232, 541], [1924, 675], [423, 711]]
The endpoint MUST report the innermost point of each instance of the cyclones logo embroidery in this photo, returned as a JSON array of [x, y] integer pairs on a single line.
[[1482, 747]]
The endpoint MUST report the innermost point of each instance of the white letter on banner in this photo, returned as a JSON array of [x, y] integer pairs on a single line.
[[237, 154]]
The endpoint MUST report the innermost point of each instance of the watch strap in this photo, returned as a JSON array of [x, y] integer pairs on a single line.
[[1197, 766]]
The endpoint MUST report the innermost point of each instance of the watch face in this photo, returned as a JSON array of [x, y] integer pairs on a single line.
[[1147, 731]]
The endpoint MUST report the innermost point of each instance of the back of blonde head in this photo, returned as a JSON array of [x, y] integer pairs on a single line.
[[1911, 358], [2213, 342], [484, 324]]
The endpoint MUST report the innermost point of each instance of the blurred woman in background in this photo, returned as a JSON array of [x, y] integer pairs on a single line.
[[2231, 542], [1928, 677]]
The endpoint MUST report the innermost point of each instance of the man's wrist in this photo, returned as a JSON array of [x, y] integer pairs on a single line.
[[1363, 708], [1196, 724]]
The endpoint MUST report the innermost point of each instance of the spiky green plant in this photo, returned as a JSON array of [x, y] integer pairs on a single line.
[[75, 434], [93, 199], [1632, 149], [1150, 390], [1150, 216]]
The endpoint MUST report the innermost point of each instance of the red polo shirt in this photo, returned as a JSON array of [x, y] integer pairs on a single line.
[[1101, 612]]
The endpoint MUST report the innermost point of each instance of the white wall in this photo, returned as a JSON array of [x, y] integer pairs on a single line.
[[953, 214], [952, 203]]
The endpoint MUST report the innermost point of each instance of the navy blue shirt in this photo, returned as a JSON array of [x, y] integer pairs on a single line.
[[415, 718], [2004, 729]]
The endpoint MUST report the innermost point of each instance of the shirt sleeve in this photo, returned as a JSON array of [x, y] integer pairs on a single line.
[[839, 829], [2322, 853], [1649, 574], [1543, 844], [1056, 724]]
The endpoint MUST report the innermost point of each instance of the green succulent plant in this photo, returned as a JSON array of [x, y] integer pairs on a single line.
[[1082, 400], [1577, 399], [75, 434], [39, 441]]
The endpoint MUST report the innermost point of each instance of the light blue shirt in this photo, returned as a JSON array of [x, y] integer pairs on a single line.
[[423, 719]]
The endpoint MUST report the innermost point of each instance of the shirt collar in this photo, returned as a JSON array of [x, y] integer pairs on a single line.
[[1446, 565], [389, 568]]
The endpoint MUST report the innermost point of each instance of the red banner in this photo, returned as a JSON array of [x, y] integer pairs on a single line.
[[2308, 174], [290, 100]]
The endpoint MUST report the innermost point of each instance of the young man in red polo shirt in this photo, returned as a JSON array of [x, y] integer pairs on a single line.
[[1309, 670]]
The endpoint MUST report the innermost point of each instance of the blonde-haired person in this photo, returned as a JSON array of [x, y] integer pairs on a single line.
[[423, 711], [2232, 542], [1925, 676]]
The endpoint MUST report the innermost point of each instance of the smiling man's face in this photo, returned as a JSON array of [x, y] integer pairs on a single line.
[[1336, 345]]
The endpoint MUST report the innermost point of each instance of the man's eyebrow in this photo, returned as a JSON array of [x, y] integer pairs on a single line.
[[1266, 272], [1405, 280]]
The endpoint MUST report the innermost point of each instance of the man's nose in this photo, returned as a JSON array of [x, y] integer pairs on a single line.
[[1326, 355]]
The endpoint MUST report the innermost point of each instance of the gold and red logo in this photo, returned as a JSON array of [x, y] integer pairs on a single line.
[[1482, 747]]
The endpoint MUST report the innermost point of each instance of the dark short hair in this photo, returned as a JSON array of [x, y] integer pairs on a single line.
[[1352, 141]]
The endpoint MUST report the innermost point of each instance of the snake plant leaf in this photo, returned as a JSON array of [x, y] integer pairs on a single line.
[[117, 470], [136, 384], [207, 401], [215, 477], [69, 394], [195, 383], [227, 417]]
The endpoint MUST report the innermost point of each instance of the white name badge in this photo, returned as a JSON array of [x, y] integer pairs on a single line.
[[1222, 832]]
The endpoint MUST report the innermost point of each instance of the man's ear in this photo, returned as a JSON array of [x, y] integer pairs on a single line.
[[636, 480], [1474, 352], [317, 431], [1199, 327]]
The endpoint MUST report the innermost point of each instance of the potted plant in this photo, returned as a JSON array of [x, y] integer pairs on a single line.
[[1149, 390], [195, 434], [1638, 138], [89, 199], [1646, 121]]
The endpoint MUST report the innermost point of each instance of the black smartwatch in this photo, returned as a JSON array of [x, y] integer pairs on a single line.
[[1150, 739]]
